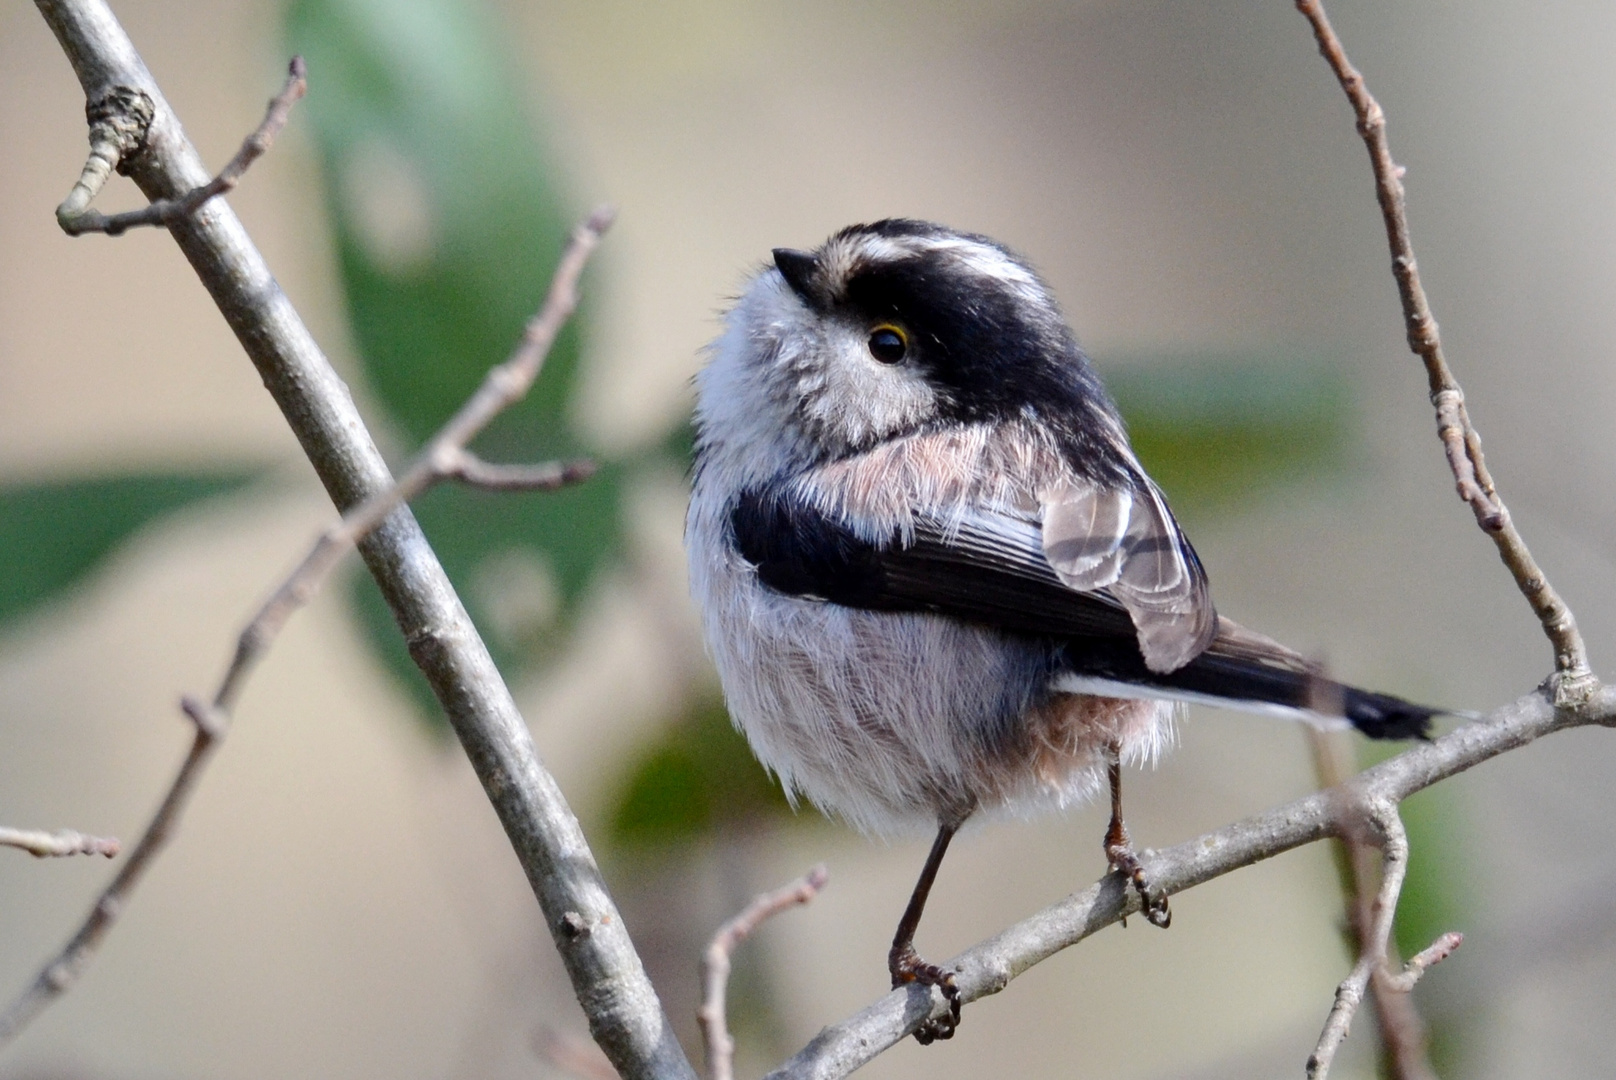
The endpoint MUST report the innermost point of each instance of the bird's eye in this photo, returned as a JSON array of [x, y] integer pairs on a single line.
[[888, 344]]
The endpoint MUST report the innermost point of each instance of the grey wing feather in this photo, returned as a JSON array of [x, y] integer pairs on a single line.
[[1127, 543]]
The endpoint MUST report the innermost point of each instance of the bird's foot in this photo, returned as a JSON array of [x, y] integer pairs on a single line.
[[908, 968], [1124, 859]]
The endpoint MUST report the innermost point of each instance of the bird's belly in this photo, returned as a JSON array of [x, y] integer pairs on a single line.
[[895, 721]]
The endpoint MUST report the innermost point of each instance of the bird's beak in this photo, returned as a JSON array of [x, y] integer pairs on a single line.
[[801, 271]]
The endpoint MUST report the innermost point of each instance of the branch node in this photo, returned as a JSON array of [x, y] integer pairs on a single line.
[[119, 124], [211, 724], [574, 926], [1574, 690], [123, 115]]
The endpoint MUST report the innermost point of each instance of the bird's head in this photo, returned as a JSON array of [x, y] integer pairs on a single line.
[[884, 330]]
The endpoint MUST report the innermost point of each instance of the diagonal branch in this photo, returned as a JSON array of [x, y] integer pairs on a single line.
[[624, 1014], [1461, 443], [989, 967], [440, 461], [47, 845]]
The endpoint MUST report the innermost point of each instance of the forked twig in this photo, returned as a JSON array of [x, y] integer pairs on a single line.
[[49, 845], [112, 137], [64, 968], [1573, 681], [990, 966], [1382, 817], [444, 457], [1402, 1030], [715, 964]]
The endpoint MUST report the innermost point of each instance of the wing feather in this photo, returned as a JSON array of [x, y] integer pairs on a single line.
[[1127, 543]]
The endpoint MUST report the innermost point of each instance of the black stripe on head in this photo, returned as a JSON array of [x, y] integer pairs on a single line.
[[996, 346]]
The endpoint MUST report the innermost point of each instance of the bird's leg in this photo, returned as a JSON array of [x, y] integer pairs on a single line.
[[1120, 852], [907, 966]]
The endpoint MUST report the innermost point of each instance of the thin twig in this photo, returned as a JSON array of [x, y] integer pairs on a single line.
[[48, 845], [63, 970], [1573, 677], [106, 153], [1382, 817], [444, 457], [503, 386], [1423, 961], [1402, 1030], [473, 471], [712, 1015]]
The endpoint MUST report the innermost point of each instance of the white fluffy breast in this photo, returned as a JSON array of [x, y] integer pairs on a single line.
[[896, 721]]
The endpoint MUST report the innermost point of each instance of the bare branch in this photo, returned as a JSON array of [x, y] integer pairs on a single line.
[[1424, 960], [470, 469], [712, 1015], [989, 967], [1461, 443], [443, 457], [625, 1016], [106, 151], [212, 719], [63, 970], [1383, 818], [47, 845], [1402, 1029]]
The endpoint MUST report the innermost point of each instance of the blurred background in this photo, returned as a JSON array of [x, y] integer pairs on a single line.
[[341, 901]]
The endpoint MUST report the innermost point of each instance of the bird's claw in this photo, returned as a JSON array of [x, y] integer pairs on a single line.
[[1124, 860], [908, 968]]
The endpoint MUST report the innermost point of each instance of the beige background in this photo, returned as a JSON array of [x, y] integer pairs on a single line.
[[341, 902]]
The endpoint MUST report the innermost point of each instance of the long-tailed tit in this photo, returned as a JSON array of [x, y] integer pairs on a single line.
[[934, 577]]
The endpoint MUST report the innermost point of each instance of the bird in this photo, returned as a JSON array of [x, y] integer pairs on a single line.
[[935, 580]]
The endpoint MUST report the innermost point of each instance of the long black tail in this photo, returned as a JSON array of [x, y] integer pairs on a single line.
[[1237, 681]]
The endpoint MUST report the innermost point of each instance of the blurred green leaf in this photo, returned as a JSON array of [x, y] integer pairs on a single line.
[[52, 535], [449, 219], [1218, 432], [698, 778], [448, 214]]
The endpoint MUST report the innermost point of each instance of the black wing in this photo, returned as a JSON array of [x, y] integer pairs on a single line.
[[988, 569], [991, 569]]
